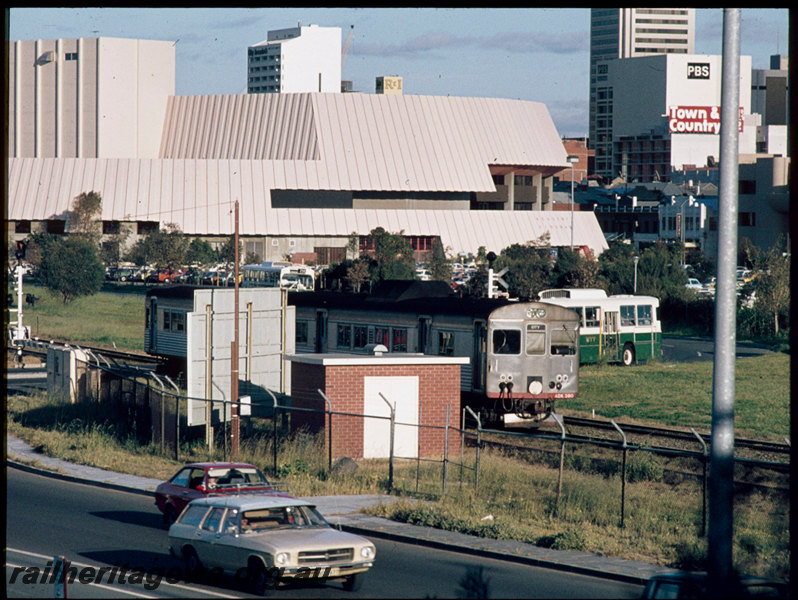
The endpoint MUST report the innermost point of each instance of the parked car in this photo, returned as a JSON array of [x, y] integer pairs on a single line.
[[122, 274], [693, 284], [697, 585], [196, 480], [275, 539]]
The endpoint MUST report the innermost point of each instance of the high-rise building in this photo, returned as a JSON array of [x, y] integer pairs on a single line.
[[626, 33], [294, 60], [88, 97]]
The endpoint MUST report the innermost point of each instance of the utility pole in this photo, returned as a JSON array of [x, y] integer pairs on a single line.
[[721, 473], [235, 422]]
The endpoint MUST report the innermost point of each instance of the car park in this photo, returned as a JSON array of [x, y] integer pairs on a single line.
[[196, 480], [271, 539], [697, 585]]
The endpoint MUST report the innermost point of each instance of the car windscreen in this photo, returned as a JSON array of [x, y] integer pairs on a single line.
[[221, 477], [281, 517]]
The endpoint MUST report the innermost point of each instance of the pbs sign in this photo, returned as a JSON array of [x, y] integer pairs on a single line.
[[697, 70]]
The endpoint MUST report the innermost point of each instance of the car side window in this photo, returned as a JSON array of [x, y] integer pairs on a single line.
[[193, 515], [197, 478], [181, 479], [213, 520]]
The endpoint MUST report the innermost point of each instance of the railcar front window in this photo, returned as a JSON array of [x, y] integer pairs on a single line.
[[563, 341], [507, 341], [535, 339]]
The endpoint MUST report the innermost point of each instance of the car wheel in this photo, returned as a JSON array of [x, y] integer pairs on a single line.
[[260, 581], [169, 516], [353, 583], [628, 355], [193, 565]]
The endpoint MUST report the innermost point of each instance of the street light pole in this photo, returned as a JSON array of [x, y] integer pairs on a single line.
[[635, 259], [572, 160]]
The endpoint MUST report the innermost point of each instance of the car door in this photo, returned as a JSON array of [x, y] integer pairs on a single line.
[[207, 536], [182, 487]]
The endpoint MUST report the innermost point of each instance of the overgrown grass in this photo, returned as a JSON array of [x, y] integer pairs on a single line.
[[105, 319], [680, 394]]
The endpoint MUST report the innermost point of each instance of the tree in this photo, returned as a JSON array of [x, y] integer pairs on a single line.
[[164, 248], [529, 267], [575, 269], [772, 282], [357, 274], [85, 216], [71, 267], [227, 252], [440, 267], [200, 251], [392, 256], [113, 247], [617, 268]]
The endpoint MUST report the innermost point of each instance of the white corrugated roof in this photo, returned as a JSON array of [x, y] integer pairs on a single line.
[[198, 195], [367, 141]]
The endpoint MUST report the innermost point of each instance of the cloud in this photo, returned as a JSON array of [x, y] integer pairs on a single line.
[[516, 42]]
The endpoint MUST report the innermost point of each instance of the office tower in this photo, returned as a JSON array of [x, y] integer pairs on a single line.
[[297, 59], [617, 33]]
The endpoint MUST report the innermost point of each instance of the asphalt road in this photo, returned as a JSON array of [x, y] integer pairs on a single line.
[[684, 349], [94, 527]]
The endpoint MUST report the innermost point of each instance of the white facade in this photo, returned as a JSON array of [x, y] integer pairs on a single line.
[[88, 97], [297, 59], [618, 33], [678, 122]]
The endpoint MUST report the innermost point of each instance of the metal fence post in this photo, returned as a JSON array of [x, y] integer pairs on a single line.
[[390, 455], [703, 483], [329, 429], [418, 446], [558, 419], [623, 472], [479, 445]]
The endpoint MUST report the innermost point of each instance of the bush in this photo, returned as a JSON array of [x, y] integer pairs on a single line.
[[570, 539], [643, 466]]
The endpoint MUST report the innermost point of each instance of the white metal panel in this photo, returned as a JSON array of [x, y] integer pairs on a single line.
[[403, 393]]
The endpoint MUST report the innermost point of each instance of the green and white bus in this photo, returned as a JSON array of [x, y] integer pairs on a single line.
[[618, 328]]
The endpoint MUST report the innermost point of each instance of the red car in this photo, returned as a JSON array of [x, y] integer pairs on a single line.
[[196, 480]]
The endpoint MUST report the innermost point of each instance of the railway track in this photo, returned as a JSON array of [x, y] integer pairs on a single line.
[[112, 356]]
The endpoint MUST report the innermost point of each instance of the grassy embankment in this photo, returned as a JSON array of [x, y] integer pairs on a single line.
[[661, 520]]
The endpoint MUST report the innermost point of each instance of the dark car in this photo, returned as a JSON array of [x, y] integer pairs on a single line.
[[696, 585], [196, 480]]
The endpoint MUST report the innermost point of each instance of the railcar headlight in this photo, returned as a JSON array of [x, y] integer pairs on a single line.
[[367, 552], [535, 387], [558, 378], [281, 558], [565, 378]]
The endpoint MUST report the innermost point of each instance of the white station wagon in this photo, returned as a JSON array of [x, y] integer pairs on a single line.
[[268, 539]]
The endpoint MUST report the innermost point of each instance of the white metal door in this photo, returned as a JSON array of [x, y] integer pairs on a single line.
[[403, 392]]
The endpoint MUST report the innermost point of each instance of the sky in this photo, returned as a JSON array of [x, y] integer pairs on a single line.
[[538, 54]]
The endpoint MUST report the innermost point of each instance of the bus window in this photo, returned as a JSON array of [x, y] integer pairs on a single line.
[[535, 339], [507, 341], [644, 314], [591, 316], [581, 312], [627, 315], [563, 341]]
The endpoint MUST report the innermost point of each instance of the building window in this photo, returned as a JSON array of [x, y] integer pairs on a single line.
[[344, 336], [747, 219], [399, 340], [110, 227], [174, 320], [71, 56], [55, 226], [445, 343], [301, 335], [747, 186], [145, 227], [22, 227]]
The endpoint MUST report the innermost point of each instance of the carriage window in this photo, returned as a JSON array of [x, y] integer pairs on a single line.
[[445, 343], [644, 314], [174, 320], [302, 332], [344, 336], [535, 339], [628, 315], [399, 340], [507, 341], [360, 336], [382, 336], [591, 316], [563, 341]]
